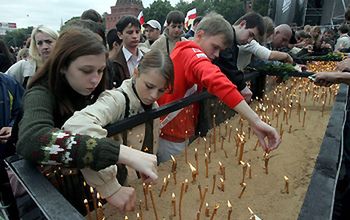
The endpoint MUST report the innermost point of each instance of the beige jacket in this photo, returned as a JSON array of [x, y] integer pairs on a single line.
[[110, 108], [161, 42]]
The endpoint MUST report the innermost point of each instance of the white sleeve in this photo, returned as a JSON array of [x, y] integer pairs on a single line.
[[108, 108]]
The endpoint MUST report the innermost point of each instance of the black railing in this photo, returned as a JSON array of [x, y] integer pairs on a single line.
[[321, 189]]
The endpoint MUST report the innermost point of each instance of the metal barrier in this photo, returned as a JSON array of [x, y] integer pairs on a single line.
[[321, 188]]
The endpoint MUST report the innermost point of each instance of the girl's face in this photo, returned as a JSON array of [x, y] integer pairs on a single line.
[[85, 73], [150, 85], [44, 44]]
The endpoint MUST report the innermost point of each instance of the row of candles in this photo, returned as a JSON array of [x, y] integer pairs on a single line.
[[267, 107]]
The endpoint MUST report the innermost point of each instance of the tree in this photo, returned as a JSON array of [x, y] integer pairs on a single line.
[[158, 10], [261, 6], [16, 37]]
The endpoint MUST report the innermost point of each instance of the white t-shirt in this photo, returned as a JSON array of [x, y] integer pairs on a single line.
[[246, 51]]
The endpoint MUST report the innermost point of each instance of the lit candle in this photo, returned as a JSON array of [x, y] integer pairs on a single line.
[[199, 137], [162, 189], [214, 182], [323, 105], [94, 200], [244, 185], [214, 129], [167, 183], [209, 154], [140, 214], [99, 212], [304, 117], [153, 203], [186, 148], [186, 185], [206, 165], [214, 212], [244, 171], [286, 186], [205, 144], [173, 168], [222, 185], [203, 198], [229, 209], [194, 172], [87, 209], [207, 209], [126, 218], [173, 202], [249, 170], [241, 149], [145, 194], [196, 158], [220, 168]]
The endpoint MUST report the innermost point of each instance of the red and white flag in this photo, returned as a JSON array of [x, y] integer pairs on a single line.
[[141, 18], [190, 16]]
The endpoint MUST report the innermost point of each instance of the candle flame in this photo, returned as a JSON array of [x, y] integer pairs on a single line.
[[193, 169], [251, 211], [229, 204], [85, 201], [173, 196], [172, 158], [286, 178]]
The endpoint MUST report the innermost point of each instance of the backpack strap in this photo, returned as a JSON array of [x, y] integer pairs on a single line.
[[126, 114]]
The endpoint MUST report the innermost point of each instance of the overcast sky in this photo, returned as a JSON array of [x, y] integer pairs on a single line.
[[51, 12]]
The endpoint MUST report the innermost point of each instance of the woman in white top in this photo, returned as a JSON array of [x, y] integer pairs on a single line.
[[42, 42]]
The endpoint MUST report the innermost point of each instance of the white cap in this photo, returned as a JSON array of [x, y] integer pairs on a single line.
[[154, 24]]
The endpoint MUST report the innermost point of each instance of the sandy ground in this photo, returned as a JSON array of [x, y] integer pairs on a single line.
[[265, 193]]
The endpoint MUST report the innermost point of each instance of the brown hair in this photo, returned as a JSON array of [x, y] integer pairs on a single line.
[[253, 20], [215, 24], [72, 43], [156, 59]]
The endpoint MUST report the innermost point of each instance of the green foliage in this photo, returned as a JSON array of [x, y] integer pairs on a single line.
[[276, 68], [261, 6], [16, 37], [158, 10]]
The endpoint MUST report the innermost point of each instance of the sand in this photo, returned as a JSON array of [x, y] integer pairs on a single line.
[[265, 193]]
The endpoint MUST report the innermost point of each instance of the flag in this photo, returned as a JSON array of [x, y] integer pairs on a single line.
[[190, 16], [141, 18]]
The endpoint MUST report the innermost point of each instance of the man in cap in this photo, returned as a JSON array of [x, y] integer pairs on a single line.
[[152, 31]]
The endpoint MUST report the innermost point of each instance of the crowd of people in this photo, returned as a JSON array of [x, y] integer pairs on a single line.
[[81, 79]]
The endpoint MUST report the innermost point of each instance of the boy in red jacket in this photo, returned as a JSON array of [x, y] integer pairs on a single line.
[[194, 70]]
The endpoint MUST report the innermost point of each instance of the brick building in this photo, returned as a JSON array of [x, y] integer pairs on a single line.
[[121, 8]]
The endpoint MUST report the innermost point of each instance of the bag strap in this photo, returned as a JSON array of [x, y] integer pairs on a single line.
[[126, 114]]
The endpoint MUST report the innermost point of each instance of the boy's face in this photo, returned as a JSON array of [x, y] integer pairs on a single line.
[[211, 45], [245, 35], [175, 30], [130, 36]]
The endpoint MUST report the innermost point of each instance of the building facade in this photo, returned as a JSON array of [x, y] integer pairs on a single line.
[[121, 8]]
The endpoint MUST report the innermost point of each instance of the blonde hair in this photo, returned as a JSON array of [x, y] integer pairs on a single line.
[[33, 50], [214, 24], [156, 59]]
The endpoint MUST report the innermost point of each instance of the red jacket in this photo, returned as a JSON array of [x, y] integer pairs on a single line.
[[192, 66]]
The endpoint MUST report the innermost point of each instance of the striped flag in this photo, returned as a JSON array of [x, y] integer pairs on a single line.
[[141, 18], [190, 16]]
